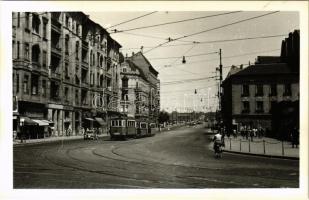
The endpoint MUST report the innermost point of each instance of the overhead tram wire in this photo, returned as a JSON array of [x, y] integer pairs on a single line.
[[174, 22], [194, 55], [214, 41], [131, 19], [187, 80], [207, 30]]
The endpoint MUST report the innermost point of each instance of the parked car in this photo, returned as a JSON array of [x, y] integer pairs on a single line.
[[90, 134]]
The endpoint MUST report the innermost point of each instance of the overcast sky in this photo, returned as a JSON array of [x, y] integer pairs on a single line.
[[180, 96]]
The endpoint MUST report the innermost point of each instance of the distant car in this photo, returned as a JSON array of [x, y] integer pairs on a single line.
[[90, 134]]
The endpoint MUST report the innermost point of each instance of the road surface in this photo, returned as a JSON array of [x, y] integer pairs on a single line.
[[174, 159]]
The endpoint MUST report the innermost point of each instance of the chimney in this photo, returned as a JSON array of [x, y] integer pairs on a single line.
[[142, 47], [126, 55], [241, 66], [132, 53]]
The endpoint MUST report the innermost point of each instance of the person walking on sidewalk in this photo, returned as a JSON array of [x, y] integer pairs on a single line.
[[295, 137]]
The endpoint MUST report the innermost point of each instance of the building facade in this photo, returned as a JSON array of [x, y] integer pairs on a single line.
[[64, 72], [250, 95], [140, 89]]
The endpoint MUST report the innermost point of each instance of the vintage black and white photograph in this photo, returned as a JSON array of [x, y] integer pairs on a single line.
[[156, 99]]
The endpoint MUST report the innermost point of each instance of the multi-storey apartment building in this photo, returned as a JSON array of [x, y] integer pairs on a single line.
[[64, 65], [140, 89], [250, 95]]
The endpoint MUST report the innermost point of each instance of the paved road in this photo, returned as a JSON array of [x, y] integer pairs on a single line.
[[174, 159]]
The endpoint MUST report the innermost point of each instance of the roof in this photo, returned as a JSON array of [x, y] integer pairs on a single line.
[[140, 55], [265, 69], [133, 66], [268, 59]]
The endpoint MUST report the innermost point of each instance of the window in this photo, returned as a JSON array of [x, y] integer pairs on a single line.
[[35, 53], [17, 83], [13, 50], [43, 88], [245, 90], [272, 106], [124, 70], [18, 19], [273, 90], [76, 50], [287, 90], [125, 82], [66, 70], [18, 45], [66, 93], [259, 107], [45, 29], [67, 21], [44, 59], [67, 44], [27, 51], [34, 84], [26, 80], [245, 107], [259, 90], [36, 24], [27, 20]]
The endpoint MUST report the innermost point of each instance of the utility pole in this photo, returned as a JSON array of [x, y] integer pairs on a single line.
[[220, 71]]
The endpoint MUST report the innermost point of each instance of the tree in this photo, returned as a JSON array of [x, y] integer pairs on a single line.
[[163, 117]]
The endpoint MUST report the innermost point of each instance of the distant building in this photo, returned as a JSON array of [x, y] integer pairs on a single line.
[[139, 89], [250, 95]]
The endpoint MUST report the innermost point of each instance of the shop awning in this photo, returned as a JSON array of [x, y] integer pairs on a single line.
[[100, 121], [27, 121], [90, 119], [41, 122], [47, 121]]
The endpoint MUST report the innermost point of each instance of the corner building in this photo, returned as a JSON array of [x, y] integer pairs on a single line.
[[64, 73]]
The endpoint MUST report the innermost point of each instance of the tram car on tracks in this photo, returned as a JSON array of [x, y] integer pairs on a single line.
[[122, 128]]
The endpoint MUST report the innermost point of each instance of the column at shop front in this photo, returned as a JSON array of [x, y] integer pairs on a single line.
[[74, 130], [50, 118], [60, 122], [55, 117], [71, 122]]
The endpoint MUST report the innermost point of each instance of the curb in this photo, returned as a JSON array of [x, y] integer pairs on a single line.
[[51, 141], [262, 155]]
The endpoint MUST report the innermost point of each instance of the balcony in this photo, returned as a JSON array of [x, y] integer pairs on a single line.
[[259, 111], [55, 99], [55, 75], [56, 49], [55, 25], [85, 45]]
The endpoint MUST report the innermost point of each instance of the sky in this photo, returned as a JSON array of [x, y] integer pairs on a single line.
[[181, 96]]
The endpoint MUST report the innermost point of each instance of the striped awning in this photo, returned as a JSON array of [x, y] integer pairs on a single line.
[[27, 121], [90, 119], [100, 121]]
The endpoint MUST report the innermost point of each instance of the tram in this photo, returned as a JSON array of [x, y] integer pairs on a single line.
[[122, 128]]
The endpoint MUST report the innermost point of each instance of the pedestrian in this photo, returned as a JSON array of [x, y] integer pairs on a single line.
[[295, 137], [234, 133]]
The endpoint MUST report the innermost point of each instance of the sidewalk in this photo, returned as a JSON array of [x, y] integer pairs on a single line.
[[75, 137], [264, 146]]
